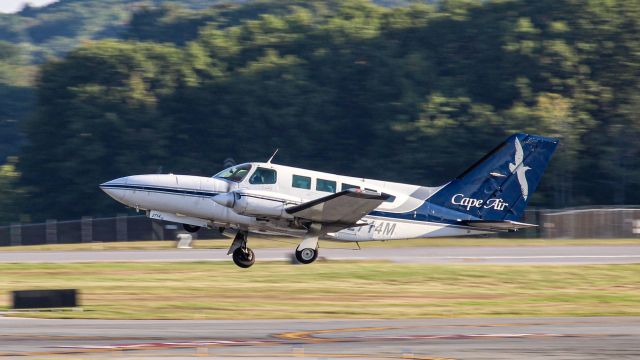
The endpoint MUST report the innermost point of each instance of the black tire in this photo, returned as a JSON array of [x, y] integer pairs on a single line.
[[307, 256], [244, 258], [191, 228]]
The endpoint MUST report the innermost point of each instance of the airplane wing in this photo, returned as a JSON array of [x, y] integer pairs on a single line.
[[506, 225], [343, 209]]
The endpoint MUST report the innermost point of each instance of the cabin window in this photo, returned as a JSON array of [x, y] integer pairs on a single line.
[[235, 173], [301, 182], [263, 176], [326, 185], [349, 186]]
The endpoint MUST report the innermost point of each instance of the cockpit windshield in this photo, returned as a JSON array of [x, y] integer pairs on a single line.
[[236, 173]]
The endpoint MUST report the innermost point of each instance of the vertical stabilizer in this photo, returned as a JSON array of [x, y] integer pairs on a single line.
[[500, 184]]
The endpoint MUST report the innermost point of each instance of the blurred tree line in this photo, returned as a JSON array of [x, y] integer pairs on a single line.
[[410, 93], [51, 31], [35, 35]]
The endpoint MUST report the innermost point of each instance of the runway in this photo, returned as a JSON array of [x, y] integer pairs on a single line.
[[461, 338], [505, 338], [613, 254]]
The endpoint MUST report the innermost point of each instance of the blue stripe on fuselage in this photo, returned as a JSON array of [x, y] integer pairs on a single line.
[[160, 189]]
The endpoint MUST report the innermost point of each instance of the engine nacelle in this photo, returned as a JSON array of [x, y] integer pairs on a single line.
[[257, 203]]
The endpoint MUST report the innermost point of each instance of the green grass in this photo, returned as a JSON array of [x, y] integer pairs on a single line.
[[214, 290], [258, 242]]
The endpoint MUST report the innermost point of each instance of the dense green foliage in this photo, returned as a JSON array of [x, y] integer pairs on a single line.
[[10, 198], [55, 29], [36, 34], [412, 94], [16, 97]]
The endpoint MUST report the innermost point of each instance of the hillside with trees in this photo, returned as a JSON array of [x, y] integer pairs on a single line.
[[410, 93], [51, 31], [35, 35]]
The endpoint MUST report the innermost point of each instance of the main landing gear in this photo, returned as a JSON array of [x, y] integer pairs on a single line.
[[306, 253], [242, 255]]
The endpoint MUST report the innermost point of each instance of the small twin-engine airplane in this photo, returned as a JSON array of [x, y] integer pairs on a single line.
[[488, 197]]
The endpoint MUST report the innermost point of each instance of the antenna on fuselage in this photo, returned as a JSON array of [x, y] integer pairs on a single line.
[[272, 156]]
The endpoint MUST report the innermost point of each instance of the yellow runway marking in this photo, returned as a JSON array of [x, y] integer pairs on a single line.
[[308, 334]]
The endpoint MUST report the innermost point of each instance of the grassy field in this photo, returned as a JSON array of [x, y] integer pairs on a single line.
[[274, 242], [215, 290]]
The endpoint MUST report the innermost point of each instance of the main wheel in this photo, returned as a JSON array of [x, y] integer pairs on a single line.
[[244, 257], [307, 256], [191, 228]]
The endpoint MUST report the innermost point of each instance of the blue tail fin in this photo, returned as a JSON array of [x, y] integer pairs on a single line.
[[500, 184]]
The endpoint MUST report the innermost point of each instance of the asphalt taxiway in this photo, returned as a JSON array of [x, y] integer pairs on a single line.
[[602, 254], [462, 338]]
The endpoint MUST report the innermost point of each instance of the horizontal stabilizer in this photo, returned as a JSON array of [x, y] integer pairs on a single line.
[[498, 225]]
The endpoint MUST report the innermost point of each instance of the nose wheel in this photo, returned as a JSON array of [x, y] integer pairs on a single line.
[[242, 255]]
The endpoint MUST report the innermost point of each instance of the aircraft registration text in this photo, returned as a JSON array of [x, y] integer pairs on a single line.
[[382, 228]]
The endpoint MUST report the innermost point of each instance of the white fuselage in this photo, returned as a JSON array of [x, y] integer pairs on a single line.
[[189, 200]]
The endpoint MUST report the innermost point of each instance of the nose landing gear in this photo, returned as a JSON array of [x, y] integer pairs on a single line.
[[242, 255]]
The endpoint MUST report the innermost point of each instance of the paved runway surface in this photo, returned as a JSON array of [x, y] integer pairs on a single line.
[[513, 338], [613, 254]]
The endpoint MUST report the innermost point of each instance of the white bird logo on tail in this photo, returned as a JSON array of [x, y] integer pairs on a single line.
[[518, 169]]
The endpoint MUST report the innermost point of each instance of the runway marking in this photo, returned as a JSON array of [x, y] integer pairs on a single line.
[[307, 335]]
